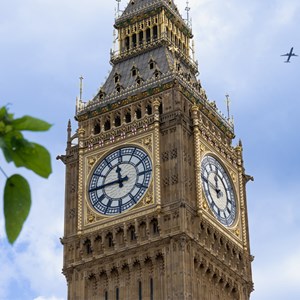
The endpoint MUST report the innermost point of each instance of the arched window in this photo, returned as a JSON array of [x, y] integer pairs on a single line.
[[151, 289], [140, 290], [118, 88], [97, 128], [149, 109], [101, 94], [127, 43], [128, 117], [160, 109], [117, 77], [132, 234], [110, 242], [117, 293], [155, 32], [117, 121], [88, 247], [157, 73], [134, 71], [148, 35], [141, 37], [107, 125], [154, 227], [138, 113], [134, 40]]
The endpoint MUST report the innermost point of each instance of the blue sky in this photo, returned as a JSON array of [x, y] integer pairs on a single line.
[[45, 45]]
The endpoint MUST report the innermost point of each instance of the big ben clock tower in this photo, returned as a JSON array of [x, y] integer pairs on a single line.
[[155, 201]]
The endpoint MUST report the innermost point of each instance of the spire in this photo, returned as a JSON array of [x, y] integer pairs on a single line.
[[80, 87]]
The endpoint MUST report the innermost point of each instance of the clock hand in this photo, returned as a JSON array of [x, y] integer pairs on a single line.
[[217, 190], [119, 181], [118, 170], [216, 181]]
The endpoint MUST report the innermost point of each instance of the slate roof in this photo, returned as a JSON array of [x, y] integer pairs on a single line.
[[160, 56], [164, 62]]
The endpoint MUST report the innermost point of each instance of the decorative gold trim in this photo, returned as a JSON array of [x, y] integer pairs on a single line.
[[197, 147], [156, 104], [146, 141]]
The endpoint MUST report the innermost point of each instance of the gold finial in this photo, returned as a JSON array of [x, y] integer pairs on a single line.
[[81, 82]]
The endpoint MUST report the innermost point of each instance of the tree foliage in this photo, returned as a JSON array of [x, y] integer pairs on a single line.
[[23, 153]]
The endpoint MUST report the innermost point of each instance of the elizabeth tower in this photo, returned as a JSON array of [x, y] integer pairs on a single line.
[[155, 201]]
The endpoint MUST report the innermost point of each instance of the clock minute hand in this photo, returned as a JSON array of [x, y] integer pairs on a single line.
[[119, 181], [217, 190]]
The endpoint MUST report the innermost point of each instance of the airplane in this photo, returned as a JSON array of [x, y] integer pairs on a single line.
[[289, 55]]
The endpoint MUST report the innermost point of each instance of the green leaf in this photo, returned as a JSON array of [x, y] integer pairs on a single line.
[[30, 123], [3, 112], [33, 157], [17, 202]]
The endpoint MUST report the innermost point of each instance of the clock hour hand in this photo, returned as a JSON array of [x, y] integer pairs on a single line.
[[118, 170]]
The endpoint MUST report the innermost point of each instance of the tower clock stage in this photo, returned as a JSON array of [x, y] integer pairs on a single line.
[[155, 200]]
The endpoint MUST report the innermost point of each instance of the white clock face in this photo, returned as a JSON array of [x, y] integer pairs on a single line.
[[218, 190], [120, 180]]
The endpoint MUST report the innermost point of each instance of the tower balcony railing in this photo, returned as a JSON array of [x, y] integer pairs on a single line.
[[145, 7], [119, 55]]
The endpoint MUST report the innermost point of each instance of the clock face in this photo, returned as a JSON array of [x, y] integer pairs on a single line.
[[120, 180], [218, 190]]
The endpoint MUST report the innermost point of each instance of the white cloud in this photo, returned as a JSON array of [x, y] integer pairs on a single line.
[[36, 257]]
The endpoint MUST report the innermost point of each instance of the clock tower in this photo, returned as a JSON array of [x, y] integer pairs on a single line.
[[155, 199]]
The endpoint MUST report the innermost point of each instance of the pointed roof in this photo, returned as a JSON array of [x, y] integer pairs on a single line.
[[137, 6]]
